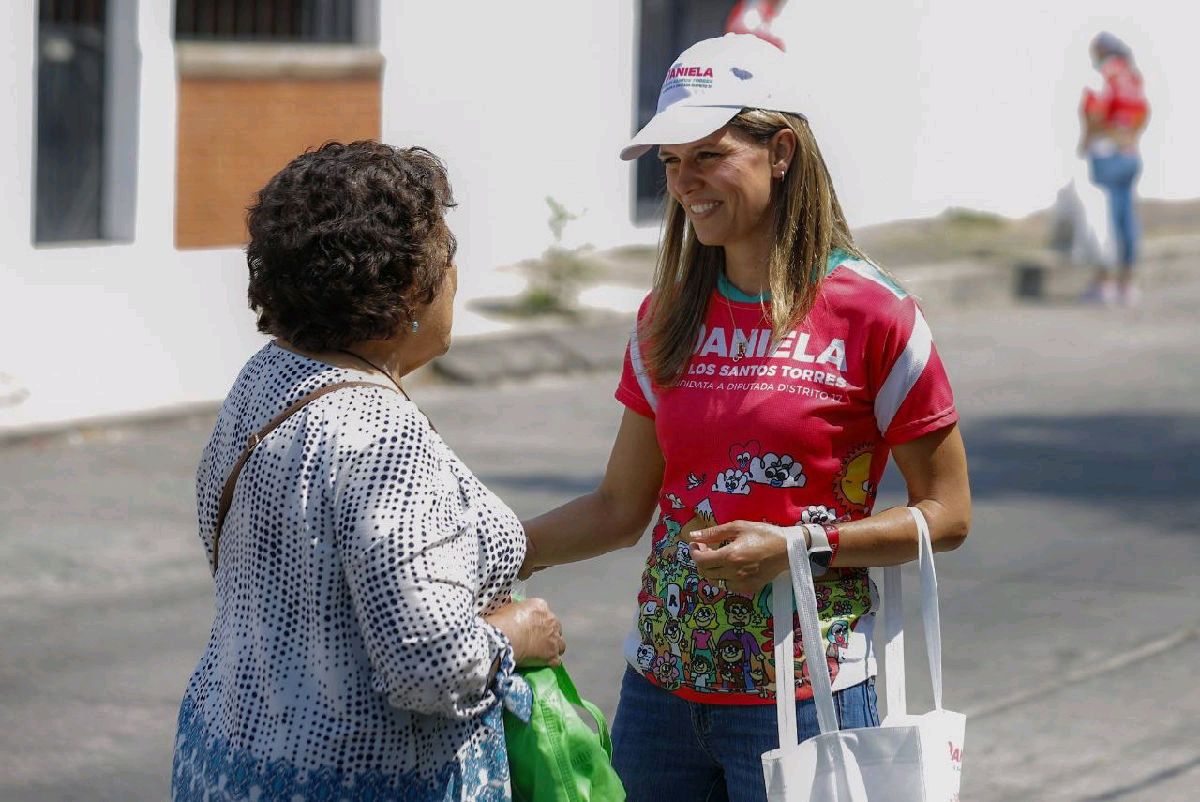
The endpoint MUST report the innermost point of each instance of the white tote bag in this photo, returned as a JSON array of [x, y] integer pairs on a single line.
[[909, 758], [1081, 211]]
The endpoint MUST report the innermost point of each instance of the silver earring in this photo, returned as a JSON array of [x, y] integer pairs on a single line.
[[415, 326]]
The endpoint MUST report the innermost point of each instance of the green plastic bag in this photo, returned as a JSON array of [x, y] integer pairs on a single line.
[[557, 757]]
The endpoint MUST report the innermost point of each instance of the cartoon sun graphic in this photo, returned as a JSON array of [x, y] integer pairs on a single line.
[[853, 484]]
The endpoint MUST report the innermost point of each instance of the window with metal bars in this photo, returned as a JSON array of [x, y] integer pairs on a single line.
[[332, 21], [72, 12]]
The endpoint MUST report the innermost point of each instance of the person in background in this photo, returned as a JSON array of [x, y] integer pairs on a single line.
[[771, 373], [1113, 119], [365, 637], [756, 17]]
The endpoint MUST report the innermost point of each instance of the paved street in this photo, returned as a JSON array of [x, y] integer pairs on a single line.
[[1071, 617]]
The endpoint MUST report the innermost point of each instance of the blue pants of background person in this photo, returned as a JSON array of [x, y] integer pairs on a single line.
[[1116, 175], [667, 749]]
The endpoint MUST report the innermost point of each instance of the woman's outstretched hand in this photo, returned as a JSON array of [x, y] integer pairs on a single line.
[[533, 630], [746, 555]]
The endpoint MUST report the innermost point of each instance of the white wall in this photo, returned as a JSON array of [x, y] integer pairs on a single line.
[[96, 330], [156, 127], [918, 106], [942, 103], [17, 44], [523, 100]]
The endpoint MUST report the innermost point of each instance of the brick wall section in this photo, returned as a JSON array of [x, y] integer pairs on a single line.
[[235, 133]]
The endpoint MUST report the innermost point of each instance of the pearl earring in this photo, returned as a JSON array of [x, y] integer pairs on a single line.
[[415, 326]]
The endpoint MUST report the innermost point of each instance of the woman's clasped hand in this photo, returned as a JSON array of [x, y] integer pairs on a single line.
[[534, 631]]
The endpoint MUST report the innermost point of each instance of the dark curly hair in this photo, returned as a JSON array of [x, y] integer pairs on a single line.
[[347, 241]]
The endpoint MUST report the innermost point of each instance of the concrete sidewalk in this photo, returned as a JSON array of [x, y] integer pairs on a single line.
[[572, 347], [1068, 618], [596, 341]]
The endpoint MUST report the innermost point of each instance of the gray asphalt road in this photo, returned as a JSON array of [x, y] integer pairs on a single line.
[[1071, 616]]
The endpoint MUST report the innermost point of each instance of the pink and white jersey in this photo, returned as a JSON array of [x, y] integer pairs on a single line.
[[795, 433]]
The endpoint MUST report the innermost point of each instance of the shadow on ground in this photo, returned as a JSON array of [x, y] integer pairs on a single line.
[[1139, 467]]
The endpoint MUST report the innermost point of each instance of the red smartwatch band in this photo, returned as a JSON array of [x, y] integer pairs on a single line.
[[832, 534]]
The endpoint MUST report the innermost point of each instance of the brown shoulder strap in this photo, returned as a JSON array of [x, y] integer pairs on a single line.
[[256, 438]]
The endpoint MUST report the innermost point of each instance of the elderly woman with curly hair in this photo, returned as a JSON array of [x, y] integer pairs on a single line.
[[365, 638]]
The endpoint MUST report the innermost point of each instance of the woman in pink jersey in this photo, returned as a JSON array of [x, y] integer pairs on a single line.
[[772, 371], [1114, 117]]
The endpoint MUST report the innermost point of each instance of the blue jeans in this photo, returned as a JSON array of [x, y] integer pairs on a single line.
[[667, 749], [1116, 175]]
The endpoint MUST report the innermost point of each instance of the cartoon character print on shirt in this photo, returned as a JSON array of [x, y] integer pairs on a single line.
[[674, 595], [676, 646], [703, 623], [679, 580], [733, 481], [659, 642], [670, 588], [777, 470], [742, 454], [651, 619], [841, 604], [646, 594], [852, 486], [702, 671], [645, 657], [661, 572], [837, 638], [818, 514], [739, 613], [750, 466], [666, 671], [731, 663], [842, 596], [763, 669], [824, 596], [694, 632]]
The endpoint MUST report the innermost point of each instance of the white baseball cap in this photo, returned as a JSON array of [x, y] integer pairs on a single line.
[[710, 83]]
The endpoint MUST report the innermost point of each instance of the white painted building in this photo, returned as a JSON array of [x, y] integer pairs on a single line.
[[918, 105]]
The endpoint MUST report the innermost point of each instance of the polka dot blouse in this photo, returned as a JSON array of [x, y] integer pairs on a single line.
[[348, 658]]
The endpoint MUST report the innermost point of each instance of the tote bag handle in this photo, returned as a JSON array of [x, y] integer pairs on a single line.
[[893, 624], [567, 686], [804, 593], [850, 780], [800, 587]]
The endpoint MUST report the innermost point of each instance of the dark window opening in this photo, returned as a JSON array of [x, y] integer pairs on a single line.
[[668, 27], [331, 21], [72, 12], [70, 174], [85, 174]]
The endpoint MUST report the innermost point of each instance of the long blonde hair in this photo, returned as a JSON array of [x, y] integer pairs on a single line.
[[809, 226]]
